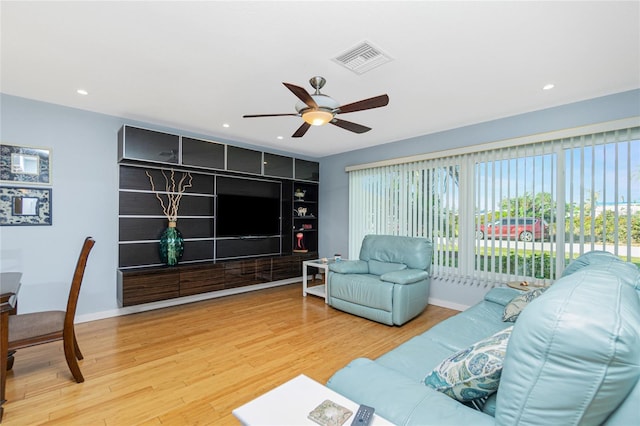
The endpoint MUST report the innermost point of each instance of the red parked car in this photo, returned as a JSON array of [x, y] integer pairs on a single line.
[[524, 229]]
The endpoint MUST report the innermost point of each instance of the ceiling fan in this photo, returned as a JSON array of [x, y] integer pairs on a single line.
[[318, 109]]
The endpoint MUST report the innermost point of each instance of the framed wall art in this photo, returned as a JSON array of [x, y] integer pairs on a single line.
[[25, 165], [25, 206]]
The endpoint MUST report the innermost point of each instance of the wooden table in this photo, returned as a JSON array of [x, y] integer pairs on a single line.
[[9, 287]]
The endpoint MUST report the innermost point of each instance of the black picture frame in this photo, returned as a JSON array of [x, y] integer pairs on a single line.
[[25, 165], [25, 206]]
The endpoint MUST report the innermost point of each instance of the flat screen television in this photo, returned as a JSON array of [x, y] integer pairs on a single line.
[[247, 216]]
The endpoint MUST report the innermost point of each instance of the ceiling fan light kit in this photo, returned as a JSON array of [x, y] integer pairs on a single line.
[[318, 109], [317, 117]]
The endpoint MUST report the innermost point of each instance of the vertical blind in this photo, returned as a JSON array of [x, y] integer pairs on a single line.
[[515, 212]]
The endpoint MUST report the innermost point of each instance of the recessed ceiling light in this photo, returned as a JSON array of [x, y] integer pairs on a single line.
[[225, 125], [82, 92], [548, 86], [279, 137]]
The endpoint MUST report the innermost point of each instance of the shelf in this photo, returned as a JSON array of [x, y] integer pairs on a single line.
[[308, 206], [316, 290]]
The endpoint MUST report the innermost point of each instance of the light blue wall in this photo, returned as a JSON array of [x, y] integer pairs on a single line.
[[85, 190], [85, 202], [334, 184]]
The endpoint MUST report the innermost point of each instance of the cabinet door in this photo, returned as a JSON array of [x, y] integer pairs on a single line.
[[201, 153], [307, 170], [141, 287], [148, 145], [244, 160], [278, 165], [201, 279], [240, 273]]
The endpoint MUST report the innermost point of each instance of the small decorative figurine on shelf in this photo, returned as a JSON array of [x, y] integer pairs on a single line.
[[302, 211], [299, 194], [300, 248]]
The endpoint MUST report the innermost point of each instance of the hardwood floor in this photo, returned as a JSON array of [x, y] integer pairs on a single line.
[[193, 364]]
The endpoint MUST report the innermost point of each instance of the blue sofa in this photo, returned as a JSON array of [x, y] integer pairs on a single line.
[[389, 283], [573, 357]]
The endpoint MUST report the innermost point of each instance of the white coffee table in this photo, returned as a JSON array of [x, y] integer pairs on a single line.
[[290, 403]]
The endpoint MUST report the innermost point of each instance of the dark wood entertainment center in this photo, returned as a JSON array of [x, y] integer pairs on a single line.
[[213, 260]]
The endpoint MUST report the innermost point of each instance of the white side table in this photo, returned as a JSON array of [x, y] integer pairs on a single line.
[[316, 290], [291, 403], [518, 285]]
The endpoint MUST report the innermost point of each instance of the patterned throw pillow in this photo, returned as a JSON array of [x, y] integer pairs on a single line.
[[473, 372], [518, 303]]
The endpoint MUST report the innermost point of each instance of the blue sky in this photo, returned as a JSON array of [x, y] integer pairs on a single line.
[[603, 168]]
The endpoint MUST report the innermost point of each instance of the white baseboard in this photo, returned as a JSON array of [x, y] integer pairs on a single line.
[[181, 300], [448, 304], [215, 294]]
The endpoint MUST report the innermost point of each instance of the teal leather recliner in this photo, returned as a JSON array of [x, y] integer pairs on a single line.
[[388, 284]]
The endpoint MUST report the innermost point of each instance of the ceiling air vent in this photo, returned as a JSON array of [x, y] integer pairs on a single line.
[[362, 58]]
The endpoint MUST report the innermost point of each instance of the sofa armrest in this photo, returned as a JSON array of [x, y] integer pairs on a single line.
[[405, 276], [350, 267], [502, 295]]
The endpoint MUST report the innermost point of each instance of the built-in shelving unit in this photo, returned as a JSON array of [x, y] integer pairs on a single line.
[[219, 254], [305, 217]]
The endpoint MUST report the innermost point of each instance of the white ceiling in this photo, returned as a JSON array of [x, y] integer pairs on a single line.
[[196, 65]]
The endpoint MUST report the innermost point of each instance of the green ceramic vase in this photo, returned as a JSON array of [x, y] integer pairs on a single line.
[[171, 245]]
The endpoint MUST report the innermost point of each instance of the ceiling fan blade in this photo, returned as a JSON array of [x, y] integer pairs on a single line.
[[268, 115], [301, 130], [375, 102], [302, 94], [348, 125]]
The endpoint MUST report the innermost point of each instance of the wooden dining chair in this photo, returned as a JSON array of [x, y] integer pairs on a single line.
[[36, 328]]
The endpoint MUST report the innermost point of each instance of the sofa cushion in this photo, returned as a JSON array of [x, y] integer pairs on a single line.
[[595, 257], [473, 372], [379, 268], [412, 251], [574, 353], [400, 399], [416, 357], [462, 330], [518, 303], [626, 272]]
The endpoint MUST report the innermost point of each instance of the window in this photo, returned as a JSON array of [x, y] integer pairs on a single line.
[[418, 199], [515, 210], [512, 212]]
